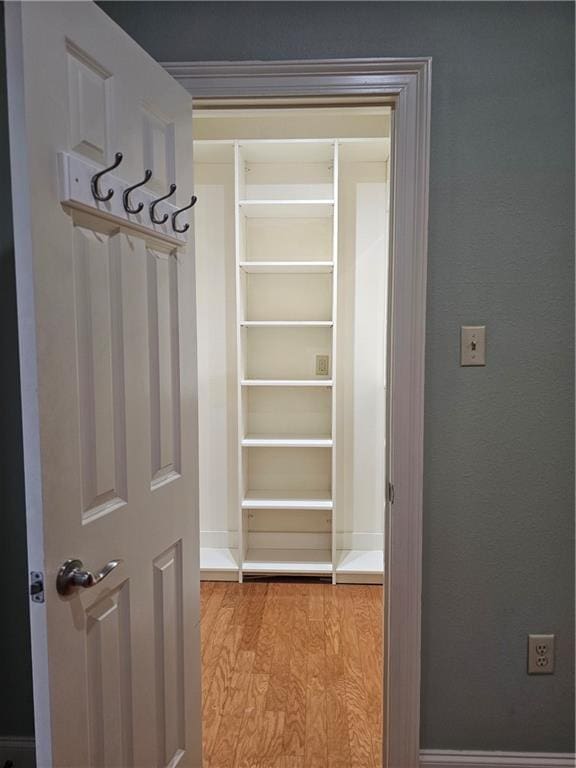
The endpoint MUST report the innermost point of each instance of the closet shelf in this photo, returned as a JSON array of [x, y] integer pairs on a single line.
[[286, 382], [287, 500], [287, 209], [302, 561], [286, 441], [286, 323], [287, 267]]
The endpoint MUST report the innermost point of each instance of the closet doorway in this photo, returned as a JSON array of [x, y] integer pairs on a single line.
[[292, 253]]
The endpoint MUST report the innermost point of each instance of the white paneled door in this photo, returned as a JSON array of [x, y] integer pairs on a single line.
[[107, 335]]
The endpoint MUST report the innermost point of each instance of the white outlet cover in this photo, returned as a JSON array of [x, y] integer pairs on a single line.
[[322, 365]]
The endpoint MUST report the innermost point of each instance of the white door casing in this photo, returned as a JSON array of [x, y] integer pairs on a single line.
[[407, 84], [108, 368]]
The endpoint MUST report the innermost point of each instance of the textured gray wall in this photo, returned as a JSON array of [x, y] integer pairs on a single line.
[[16, 715], [499, 463], [499, 504]]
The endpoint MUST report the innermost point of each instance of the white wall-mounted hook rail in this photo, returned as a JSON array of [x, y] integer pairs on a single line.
[[76, 175]]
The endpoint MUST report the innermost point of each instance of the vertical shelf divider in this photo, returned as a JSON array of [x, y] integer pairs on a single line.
[[334, 350], [239, 247]]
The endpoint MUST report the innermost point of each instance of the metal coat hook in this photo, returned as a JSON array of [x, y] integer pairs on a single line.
[[186, 227], [94, 181], [153, 205], [129, 190]]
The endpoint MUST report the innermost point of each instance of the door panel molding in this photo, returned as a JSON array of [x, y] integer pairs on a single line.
[[405, 83], [107, 629]]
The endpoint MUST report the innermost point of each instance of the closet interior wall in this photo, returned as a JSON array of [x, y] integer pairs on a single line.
[[292, 264]]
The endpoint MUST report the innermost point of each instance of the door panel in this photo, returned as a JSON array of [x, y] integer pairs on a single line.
[[164, 366], [91, 105], [109, 396], [158, 148], [169, 652], [101, 381], [108, 652]]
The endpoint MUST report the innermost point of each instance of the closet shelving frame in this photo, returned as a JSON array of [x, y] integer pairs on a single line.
[[283, 187], [286, 279]]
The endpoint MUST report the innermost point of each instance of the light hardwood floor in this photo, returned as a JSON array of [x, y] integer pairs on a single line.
[[292, 675]]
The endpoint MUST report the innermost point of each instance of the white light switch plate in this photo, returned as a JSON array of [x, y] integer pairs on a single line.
[[473, 345]]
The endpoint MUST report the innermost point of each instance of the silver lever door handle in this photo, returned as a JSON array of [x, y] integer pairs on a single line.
[[71, 575]]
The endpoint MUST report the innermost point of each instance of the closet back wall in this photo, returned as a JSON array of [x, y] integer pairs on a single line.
[[499, 449], [216, 303]]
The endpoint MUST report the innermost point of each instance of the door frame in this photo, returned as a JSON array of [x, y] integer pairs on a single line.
[[408, 83]]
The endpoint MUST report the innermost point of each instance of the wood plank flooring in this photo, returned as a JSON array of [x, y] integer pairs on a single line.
[[292, 675]]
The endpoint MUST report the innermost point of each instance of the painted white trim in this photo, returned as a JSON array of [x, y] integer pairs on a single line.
[[407, 82], [313, 77], [20, 749], [470, 759]]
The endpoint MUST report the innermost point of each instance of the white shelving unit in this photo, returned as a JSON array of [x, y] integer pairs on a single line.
[[286, 254], [286, 270]]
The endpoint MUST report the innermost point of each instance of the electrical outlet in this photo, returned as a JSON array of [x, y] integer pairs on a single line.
[[540, 654], [322, 365]]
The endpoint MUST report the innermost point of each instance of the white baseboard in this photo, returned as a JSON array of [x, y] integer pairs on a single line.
[[215, 576], [20, 750], [441, 758]]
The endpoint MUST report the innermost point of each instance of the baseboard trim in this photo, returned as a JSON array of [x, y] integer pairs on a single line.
[[206, 575], [20, 749], [469, 759]]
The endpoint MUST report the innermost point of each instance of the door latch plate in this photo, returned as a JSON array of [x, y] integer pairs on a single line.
[[37, 586], [391, 493]]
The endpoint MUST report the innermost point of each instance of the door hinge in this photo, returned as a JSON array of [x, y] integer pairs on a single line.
[[37, 586], [391, 493]]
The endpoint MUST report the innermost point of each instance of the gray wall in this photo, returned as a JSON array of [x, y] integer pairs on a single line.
[[16, 716], [499, 462], [499, 504]]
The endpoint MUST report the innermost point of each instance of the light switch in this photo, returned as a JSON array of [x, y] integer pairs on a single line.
[[473, 345]]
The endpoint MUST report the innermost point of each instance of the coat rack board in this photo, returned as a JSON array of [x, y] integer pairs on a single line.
[[128, 205]]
